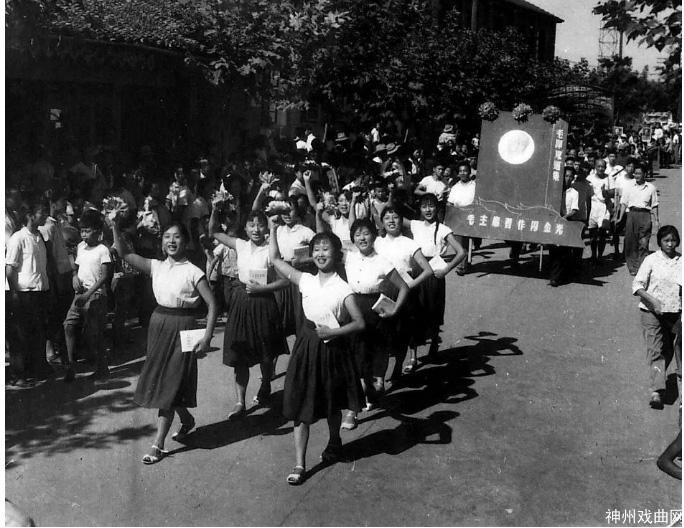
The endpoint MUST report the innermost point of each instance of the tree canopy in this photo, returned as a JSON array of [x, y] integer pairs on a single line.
[[654, 23]]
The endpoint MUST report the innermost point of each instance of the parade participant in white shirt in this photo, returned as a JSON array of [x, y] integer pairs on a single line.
[[402, 252], [462, 194], [639, 202], [366, 273], [338, 222], [561, 256], [253, 327], [168, 381], [321, 378], [658, 284], [599, 217], [622, 180], [293, 238], [26, 271], [434, 239]]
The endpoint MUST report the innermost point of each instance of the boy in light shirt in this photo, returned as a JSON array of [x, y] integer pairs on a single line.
[[93, 271]]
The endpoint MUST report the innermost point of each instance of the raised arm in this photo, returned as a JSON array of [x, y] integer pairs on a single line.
[[138, 262], [225, 239], [261, 195]]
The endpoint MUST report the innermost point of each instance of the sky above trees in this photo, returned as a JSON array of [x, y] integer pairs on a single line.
[[578, 36]]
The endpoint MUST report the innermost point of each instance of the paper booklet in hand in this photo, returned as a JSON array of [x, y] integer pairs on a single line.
[[260, 276], [437, 263], [189, 338], [383, 304], [325, 319], [301, 252]]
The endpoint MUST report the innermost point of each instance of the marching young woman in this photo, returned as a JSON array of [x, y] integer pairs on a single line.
[[292, 236], [253, 327], [366, 273], [168, 380], [321, 378], [434, 239], [402, 251]]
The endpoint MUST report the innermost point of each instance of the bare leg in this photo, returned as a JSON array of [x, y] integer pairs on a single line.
[[70, 335], [241, 381], [164, 421], [301, 441]]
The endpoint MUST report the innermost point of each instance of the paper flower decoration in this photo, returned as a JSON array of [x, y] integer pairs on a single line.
[[329, 203], [278, 207], [551, 114], [488, 111], [113, 206], [221, 197], [268, 178], [522, 112]]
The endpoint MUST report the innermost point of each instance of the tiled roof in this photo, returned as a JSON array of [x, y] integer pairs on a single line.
[[527, 5]]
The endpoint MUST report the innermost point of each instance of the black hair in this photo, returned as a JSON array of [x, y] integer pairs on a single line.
[[258, 215], [390, 209], [90, 219], [363, 222], [31, 203], [429, 197], [181, 227], [668, 230], [334, 240]]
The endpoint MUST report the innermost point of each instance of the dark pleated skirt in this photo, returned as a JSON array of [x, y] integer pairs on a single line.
[[290, 305], [169, 376], [230, 284], [371, 346], [429, 302], [321, 378], [253, 331]]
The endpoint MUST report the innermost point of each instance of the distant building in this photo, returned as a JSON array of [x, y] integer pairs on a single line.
[[538, 25]]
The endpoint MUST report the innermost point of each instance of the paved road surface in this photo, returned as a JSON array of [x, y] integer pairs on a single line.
[[535, 414]]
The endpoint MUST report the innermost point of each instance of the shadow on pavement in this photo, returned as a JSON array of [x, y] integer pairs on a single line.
[[228, 432], [407, 434], [54, 417]]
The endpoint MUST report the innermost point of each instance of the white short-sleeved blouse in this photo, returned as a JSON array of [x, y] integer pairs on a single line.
[[250, 257], [319, 300], [175, 283], [398, 250], [340, 226], [424, 235], [293, 237], [366, 273]]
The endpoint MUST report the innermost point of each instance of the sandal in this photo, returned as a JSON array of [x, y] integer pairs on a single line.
[[153, 457], [296, 477], [332, 454], [183, 430], [263, 395], [237, 412], [410, 366]]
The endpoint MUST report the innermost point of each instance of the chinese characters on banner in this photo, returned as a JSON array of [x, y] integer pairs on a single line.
[[519, 189]]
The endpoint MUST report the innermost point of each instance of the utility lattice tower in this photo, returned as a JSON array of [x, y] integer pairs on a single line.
[[610, 42]]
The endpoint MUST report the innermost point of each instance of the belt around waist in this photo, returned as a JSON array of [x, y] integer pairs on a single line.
[[639, 210], [178, 312]]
